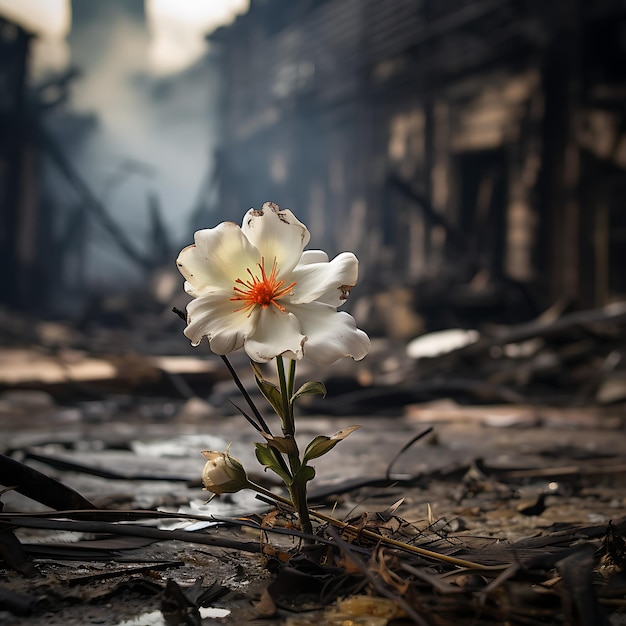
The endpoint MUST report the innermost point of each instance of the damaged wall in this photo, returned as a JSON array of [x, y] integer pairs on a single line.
[[20, 226], [437, 139]]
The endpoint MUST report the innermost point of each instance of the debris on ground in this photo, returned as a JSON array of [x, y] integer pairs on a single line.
[[496, 494]]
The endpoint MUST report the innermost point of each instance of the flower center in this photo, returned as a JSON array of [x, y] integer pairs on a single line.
[[261, 290]]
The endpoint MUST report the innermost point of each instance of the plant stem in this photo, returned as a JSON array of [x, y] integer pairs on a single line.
[[297, 487], [262, 423], [291, 381], [297, 491], [288, 425], [246, 395], [305, 519]]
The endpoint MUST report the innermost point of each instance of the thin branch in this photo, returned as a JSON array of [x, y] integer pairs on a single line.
[[404, 448], [248, 418], [245, 394], [137, 531]]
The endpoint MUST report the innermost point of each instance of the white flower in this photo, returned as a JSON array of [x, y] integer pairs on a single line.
[[223, 473], [256, 287]]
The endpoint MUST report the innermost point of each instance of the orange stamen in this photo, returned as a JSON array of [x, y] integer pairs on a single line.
[[261, 291]]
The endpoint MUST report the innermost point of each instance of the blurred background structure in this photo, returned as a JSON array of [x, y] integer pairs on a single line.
[[472, 153]]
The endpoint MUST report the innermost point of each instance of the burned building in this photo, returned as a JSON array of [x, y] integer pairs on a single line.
[[19, 229], [477, 145]]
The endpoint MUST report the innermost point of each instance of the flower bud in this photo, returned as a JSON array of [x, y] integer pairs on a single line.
[[223, 473]]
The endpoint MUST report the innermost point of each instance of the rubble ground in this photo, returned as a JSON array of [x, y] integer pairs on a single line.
[[528, 494]]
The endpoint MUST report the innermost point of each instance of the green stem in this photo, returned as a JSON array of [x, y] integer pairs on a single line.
[[262, 423], [297, 491], [297, 487], [270, 494], [291, 381], [288, 423], [294, 503]]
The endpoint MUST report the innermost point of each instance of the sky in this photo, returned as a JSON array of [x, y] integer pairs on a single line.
[[177, 28]]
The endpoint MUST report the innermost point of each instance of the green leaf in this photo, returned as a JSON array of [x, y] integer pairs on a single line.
[[310, 388], [266, 457], [269, 390], [304, 474], [321, 444], [286, 445], [317, 447], [256, 369]]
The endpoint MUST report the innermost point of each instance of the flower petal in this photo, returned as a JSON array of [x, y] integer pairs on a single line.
[[220, 256], [328, 282], [331, 335], [212, 315], [275, 333], [277, 235], [313, 256]]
